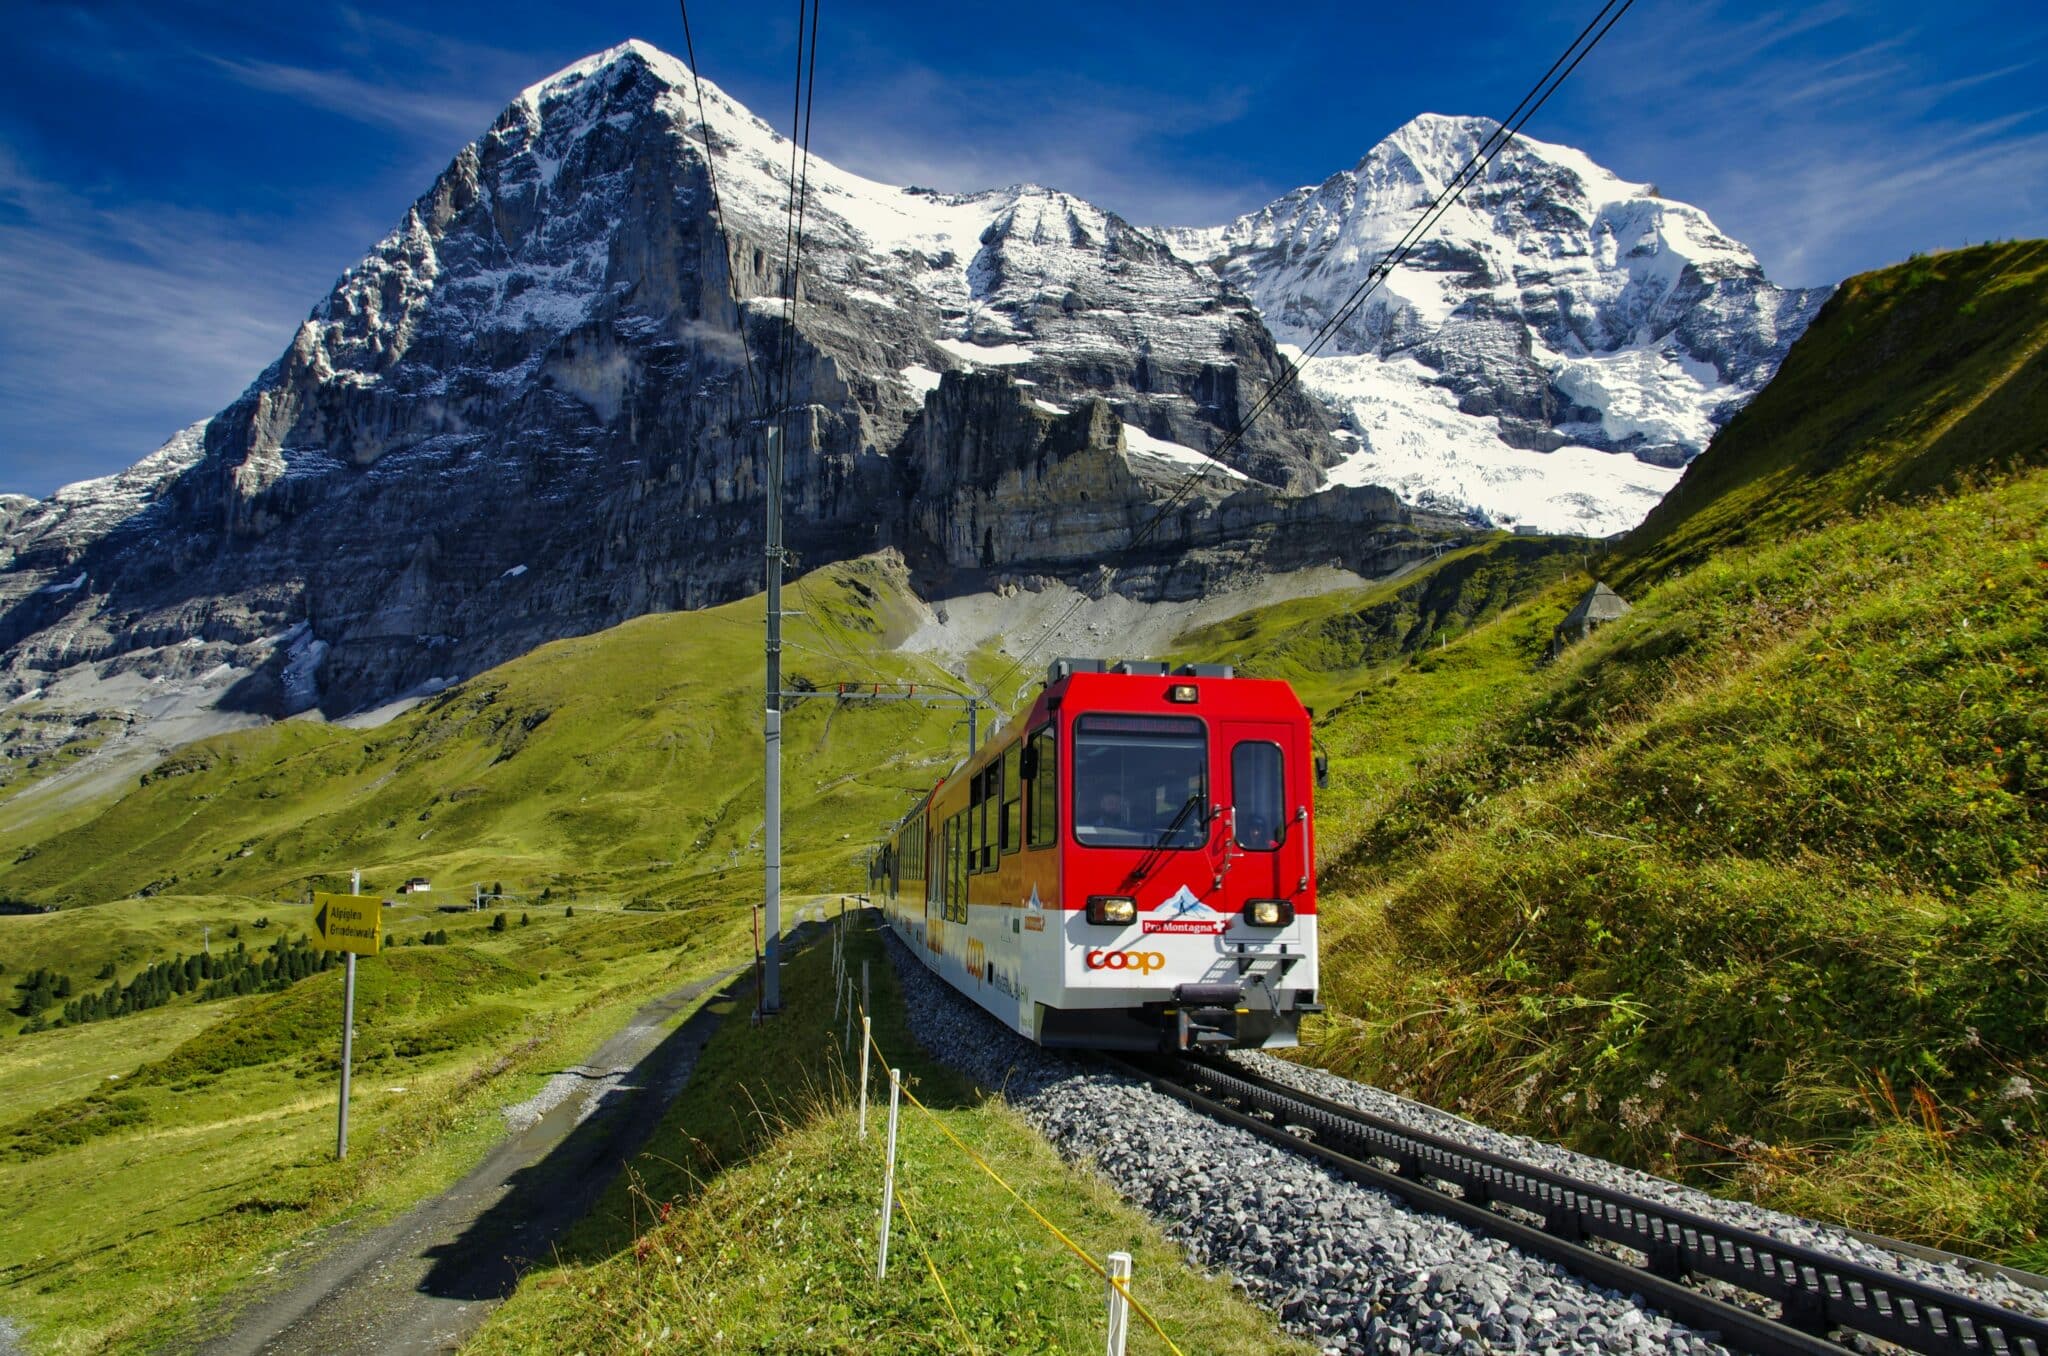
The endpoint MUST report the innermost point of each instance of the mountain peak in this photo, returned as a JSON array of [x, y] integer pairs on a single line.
[[539, 384], [634, 51]]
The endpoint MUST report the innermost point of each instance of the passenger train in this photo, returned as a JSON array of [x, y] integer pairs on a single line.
[[1128, 865]]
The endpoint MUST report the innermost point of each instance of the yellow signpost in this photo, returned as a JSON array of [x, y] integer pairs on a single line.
[[352, 923]]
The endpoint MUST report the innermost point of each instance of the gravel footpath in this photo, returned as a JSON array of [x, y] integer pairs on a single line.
[[1347, 1266], [1738, 1214]]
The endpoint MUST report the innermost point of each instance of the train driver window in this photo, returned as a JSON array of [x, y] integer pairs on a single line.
[[1140, 781], [1258, 796], [1045, 788]]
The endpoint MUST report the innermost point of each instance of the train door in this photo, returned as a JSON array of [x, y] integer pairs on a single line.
[[1268, 828]]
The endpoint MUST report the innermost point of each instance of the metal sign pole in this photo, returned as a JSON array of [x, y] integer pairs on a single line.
[[771, 977], [348, 1030]]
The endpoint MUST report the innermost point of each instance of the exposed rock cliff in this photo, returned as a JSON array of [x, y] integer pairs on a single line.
[[534, 409]]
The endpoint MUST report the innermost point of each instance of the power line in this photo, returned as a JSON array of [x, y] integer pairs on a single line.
[[799, 197], [1474, 168], [718, 211]]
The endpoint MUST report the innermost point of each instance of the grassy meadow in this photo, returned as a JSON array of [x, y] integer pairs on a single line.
[[749, 1223], [151, 1193]]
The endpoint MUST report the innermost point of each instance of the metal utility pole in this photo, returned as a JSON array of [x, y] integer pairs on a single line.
[[348, 1031], [771, 977]]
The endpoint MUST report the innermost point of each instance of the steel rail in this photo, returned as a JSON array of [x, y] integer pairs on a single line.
[[1817, 1292]]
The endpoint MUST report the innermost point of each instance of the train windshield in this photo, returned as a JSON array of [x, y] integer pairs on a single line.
[[1141, 781]]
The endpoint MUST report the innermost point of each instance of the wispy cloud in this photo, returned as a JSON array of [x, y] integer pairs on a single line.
[[1119, 146], [1828, 139], [123, 325], [416, 110]]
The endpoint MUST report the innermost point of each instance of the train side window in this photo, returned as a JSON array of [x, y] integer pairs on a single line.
[[944, 875], [1045, 788], [958, 909], [991, 802], [974, 823], [1258, 796], [1013, 800]]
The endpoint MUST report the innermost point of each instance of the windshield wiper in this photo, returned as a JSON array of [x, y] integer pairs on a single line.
[[1159, 846]]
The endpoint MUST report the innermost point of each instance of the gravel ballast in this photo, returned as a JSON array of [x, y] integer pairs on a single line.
[[1789, 1229], [1350, 1267]]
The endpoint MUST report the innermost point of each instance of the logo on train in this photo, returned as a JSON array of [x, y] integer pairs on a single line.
[[1144, 962], [1186, 914]]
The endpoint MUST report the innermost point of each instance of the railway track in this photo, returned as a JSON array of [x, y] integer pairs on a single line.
[[1556, 1217]]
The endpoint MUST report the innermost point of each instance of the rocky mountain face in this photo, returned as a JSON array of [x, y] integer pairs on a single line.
[[535, 410], [1553, 315]]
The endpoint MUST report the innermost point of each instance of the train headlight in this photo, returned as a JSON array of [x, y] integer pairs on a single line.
[[1112, 910], [1269, 913], [1183, 692]]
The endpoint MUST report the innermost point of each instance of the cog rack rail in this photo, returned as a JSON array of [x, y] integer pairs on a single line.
[[1817, 1293]]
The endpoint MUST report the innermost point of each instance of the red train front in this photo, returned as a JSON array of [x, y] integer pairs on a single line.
[[1129, 863]]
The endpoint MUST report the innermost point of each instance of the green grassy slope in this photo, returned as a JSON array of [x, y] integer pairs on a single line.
[[1910, 379], [157, 1163], [622, 765], [1748, 886]]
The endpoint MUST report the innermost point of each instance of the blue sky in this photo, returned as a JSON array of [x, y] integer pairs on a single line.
[[179, 183]]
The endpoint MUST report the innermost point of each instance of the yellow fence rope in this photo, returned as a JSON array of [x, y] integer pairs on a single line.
[[903, 1202], [1122, 1286]]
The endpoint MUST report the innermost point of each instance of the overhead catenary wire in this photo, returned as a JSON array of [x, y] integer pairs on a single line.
[[799, 193], [754, 393], [1474, 168]]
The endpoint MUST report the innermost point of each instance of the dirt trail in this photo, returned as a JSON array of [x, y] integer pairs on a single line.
[[427, 1280]]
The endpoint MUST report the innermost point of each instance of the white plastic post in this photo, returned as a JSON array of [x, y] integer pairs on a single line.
[[888, 1178], [1119, 1307], [866, 1044]]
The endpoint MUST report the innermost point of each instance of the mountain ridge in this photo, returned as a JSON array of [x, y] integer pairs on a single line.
[[523, 415]]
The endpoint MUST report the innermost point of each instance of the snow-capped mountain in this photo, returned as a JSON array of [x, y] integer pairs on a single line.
[[1556, 315], [533, 409]]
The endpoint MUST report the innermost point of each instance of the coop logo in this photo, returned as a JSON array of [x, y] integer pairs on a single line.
[[1144, 962]]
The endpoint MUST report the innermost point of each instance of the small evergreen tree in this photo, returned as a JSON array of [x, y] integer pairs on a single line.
[[498, 924], [524, 920]]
